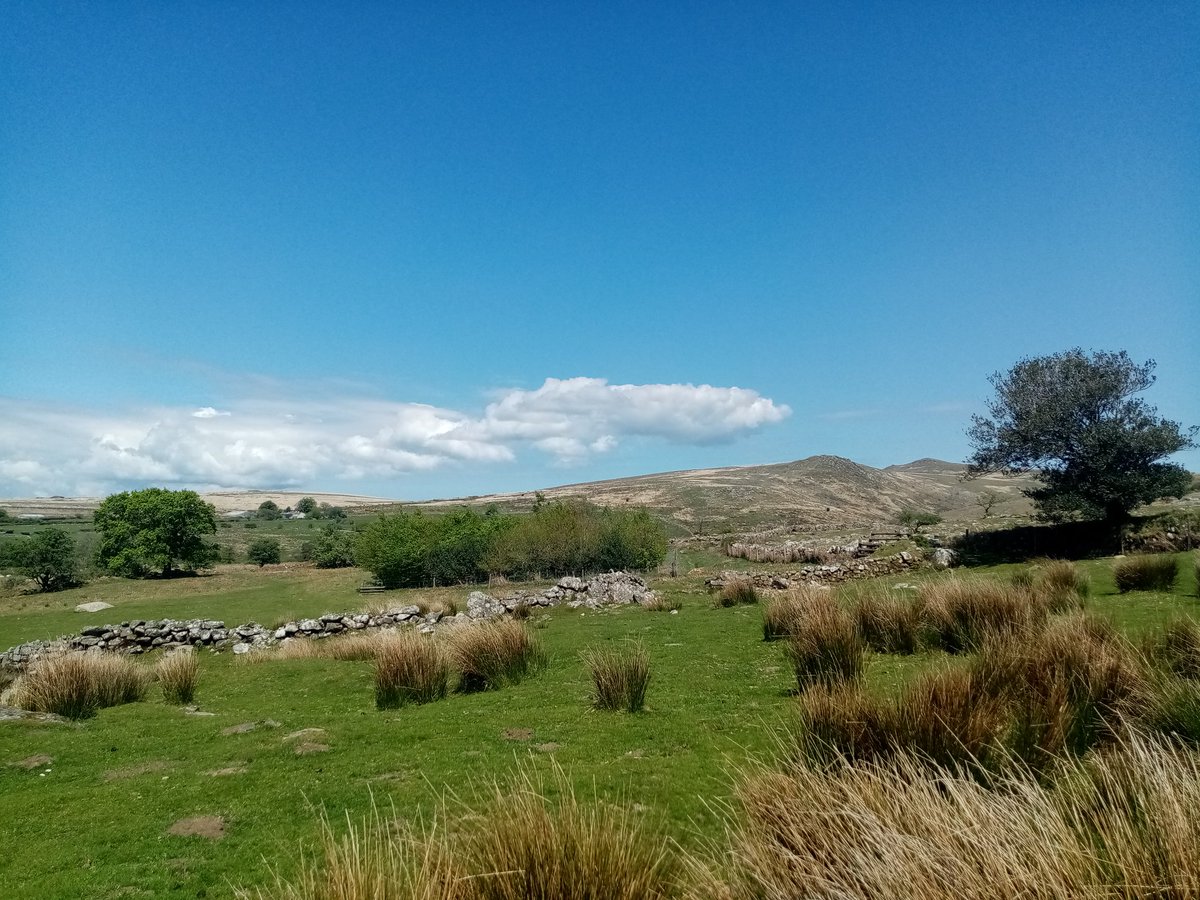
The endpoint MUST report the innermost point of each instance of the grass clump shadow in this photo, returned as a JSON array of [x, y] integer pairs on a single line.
[[620, 677], [177, 673], [489, 655], [410, 667], [76, 685], [1146, 572]]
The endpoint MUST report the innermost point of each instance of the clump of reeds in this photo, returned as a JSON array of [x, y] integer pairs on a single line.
[[737, 591], [410, 667], [824, 645], [76, 685], [516, 844], [661, 603], [1148, 572], [620, 676], [781, 613], [492, 654], [1119, 824], [177, 673], [354, 646], [888, 623], [1062, 584], [1176, 647], [960, 614]]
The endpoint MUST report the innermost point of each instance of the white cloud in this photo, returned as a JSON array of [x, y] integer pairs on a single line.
[[276, 443]]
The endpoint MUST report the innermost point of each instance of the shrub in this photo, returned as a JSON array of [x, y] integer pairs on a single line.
[[76, 685], [177, 672], [491, 654], [1152, 572], [619, 676], [737, 591], [824, 645], [410, 667], [960, 614], [333, 548], [888, 624], [1063, 585], [264, 551]]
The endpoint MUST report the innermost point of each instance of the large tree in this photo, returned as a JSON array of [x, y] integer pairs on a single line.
[[1072, 420], [49, 558], [155, 531]]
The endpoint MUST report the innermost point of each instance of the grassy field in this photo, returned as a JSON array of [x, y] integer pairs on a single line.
[[93, 820]]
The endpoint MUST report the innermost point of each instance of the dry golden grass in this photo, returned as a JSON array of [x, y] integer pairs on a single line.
[[960, 614], [353, 646], [737, 591], [620, 676], [410, 667], [1121, 825], [824, 645], [177, 673], [888, 623], [780, 614], [1176, 648], [491, 654], [76, 685], [1148, 572], [1061, 583]]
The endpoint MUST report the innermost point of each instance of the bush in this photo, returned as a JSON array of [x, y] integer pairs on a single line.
[[737, 591], [410, 667], [489, 655], [620, 677], [888, 624], [824, 645], [1152, 572], [959, 614], [333, 548], [48, 558], [177, 672], [264, 551], [76, 685]]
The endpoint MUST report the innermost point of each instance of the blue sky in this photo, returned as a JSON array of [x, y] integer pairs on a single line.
[[420, 250]]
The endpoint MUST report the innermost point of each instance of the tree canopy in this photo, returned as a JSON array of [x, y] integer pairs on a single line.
[[48, 557], [154, 531], [1073, 420]]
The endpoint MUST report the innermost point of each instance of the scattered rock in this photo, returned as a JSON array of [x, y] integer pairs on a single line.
[[304, 733], [244, 728], [228, 770], [93, 606], [13, 714], [210, 827], [307, 748], [146, 768], [517, 734], [944, 558]]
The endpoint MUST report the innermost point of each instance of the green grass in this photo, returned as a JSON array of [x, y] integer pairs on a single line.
[[95, 825]]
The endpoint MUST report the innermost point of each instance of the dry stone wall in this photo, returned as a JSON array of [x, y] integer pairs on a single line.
[[821, 574]]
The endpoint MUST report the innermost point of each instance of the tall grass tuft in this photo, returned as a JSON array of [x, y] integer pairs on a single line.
[[1120, 824], [1066, 687], [76, 685], [491, 654], [824, 645], [410, 667], [177, 673], [1149, 572], [516, 844], [889, 624], [1171, 707], [738, 591], [619, 677], [1176, 647], [781, 613], [1064, 586], [960, 614]]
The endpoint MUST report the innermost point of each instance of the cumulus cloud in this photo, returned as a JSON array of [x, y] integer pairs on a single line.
[[274, 443]]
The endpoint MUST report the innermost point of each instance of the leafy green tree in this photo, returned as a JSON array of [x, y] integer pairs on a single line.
[[916, 519], [333, 548], [308, 506], [49, 558], [263, 551], [393, 548], [154, 531], [325, 511], [1072, 420], [269, 510]]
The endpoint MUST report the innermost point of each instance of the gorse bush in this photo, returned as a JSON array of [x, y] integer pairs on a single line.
[[177, 673], [620, 677], [737, 591], [410, 667], [1152, 572], [492, 654], [824, 645], [76, 685]]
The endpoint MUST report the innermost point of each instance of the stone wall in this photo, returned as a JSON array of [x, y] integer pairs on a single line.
[[821, 574]]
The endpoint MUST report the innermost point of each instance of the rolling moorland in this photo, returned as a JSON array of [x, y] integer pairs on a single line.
[[225, 794]]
